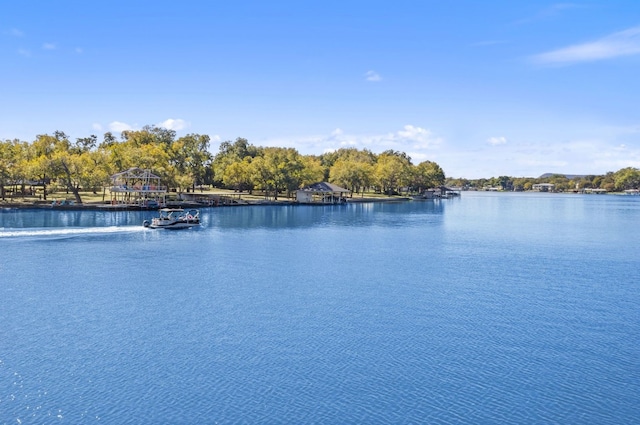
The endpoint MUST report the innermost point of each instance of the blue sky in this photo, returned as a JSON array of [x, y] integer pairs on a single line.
[[484, 88]]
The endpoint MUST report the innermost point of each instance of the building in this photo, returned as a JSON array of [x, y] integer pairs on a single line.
[[544, 187], [136, 187], [322, 193], [595, 191]]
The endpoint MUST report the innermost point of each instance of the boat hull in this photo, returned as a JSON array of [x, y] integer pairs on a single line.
[[173, 226]]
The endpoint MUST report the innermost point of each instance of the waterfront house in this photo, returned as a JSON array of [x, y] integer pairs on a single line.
[[544, 187]]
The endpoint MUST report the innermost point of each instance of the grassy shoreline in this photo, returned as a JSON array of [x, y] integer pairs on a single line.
[[98, 201]]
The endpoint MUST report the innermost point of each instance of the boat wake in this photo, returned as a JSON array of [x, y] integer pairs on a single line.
[[14, 233]]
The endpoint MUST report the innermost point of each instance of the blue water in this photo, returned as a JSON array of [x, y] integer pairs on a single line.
[[492, 308]]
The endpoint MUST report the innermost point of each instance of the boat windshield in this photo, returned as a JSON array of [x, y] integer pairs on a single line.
[[170, 214]]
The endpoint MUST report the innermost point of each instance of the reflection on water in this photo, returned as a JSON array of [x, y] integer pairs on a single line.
[[48, 218], [244, 217], [298, 216]]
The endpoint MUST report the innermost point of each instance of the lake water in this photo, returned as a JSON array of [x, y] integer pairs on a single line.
[[491, 308]]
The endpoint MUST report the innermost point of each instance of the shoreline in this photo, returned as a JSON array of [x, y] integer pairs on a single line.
[[100, 206]]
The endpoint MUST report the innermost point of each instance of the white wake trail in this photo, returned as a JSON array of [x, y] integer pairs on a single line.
[[15, 233]]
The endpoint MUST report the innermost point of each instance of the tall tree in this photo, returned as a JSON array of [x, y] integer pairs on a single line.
[[627, 178], [426, 175], [67, 163], [231, 152], [392, 172], [285, 167], [12, 156], [238, 175], [39, 165], [190, 156], [312, 170], [261, 175], [351, 174]]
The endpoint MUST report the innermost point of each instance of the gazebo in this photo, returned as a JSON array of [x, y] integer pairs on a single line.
[[137, 187], [321, 193]]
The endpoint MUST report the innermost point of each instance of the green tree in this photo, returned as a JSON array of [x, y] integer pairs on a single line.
[[391, 172], [561, 182], [238, 175], [608, 182], [84, 144], [97, 171], [350, 168], [12, 154], [505, 183], [627, 178], [328, 159], [261, 175], [39, 160], [150, 134], [286, 167], [426, 175], [231, 152], [68, 162], [312, 171], [190, 156], [351, 174]]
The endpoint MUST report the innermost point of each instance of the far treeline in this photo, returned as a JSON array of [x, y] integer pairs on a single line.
[[53, 163], [623, 179]]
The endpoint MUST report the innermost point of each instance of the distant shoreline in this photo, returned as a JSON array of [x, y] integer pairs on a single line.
[[103, 206]]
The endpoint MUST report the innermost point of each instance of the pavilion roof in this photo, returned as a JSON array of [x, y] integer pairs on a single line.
[[135, 173], [324, 187]]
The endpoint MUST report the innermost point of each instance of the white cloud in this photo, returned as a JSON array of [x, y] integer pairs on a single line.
[[551, 12], [416, 141], [49, 46], [96, 126], [119, 127], [417, 134], [495, 141], [623, 43], [24, 52], [372, 76], [177, 124], [556, 9], [15, 32], [348, 144], [533, 158]]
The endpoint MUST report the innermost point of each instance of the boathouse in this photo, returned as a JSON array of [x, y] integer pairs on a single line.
[[136, 187], [446, 192], [322, 193], [595, 191]]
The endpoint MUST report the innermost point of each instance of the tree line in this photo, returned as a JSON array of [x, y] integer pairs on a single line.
[[54, 162], [623, 179]]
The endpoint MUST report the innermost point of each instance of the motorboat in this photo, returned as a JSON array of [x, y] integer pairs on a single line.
[[174, 218]]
